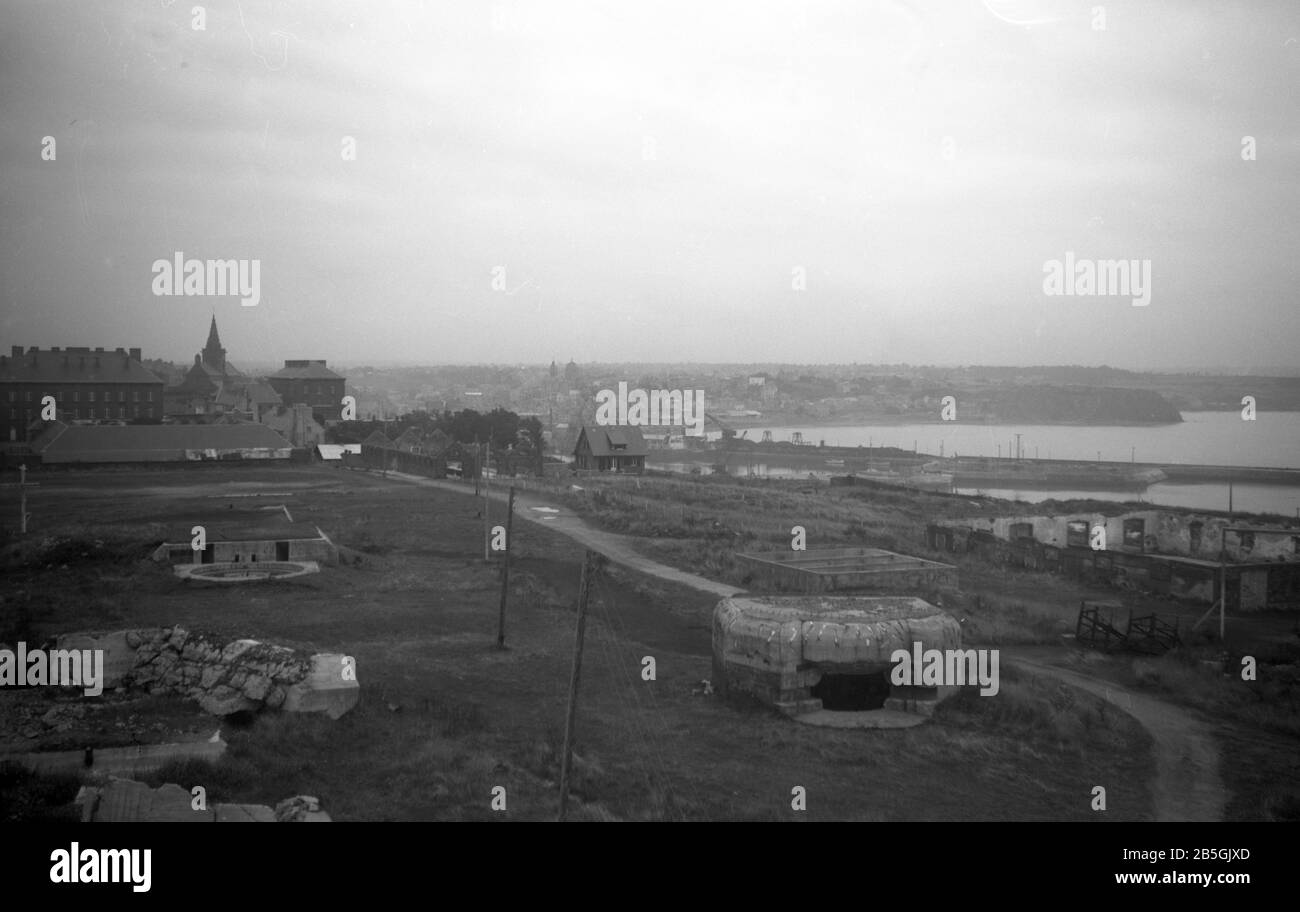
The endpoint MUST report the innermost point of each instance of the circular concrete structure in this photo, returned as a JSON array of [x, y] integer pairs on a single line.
[[791, 651], [240, 572]]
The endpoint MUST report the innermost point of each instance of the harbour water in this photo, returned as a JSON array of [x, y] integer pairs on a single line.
[[1204, 438]]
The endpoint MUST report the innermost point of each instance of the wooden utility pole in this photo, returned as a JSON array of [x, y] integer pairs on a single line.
[[1222, 603], [505, 572], [1223, 591], [23, 515], [487, 500], [566, 757]]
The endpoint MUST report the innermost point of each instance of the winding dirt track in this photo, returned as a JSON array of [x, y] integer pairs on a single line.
[[1186, 784], [618, 548]]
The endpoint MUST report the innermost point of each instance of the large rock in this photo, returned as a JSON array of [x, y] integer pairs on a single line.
[[325, 689], [255, 687]]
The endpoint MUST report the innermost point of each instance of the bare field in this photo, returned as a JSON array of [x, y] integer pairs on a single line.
[[445, 717]]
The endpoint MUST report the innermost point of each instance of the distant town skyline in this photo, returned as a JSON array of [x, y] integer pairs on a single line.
[[777, 182]]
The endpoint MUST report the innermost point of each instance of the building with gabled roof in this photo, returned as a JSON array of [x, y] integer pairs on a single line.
[[437, 442], [409, 441], [208, 379], [610, 449], [85, 383], [378, 439], [295, 424], [312, 383], [253, 398]]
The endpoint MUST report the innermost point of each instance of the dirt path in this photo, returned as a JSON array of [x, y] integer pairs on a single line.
[[1186, 785], [618, 548]]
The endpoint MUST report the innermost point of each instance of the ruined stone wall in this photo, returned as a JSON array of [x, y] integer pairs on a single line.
[[225, 678], [1164, 532], [241, 676]]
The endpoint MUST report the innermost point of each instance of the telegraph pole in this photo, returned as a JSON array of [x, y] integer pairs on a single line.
[[505, 572], [23, 515], [566, 757], [487, 499]]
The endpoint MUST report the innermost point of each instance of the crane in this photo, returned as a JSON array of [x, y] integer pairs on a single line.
[[729, 437], [727, 432]]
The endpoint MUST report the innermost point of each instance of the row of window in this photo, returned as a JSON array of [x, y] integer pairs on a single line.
[[90, 413], [90, 396]]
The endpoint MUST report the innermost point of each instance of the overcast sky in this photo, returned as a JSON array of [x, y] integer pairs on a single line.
[[649, 176]]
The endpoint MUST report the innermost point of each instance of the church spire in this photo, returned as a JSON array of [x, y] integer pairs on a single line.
[[214, 340], [213, 354]]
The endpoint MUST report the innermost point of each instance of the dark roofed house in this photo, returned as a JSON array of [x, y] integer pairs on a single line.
[[85, 383], [378, 439], [409, 441], [610, 449], [437, 442], [61, 443], [312, 383]]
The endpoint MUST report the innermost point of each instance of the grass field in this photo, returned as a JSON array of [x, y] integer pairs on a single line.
[[445, 717]]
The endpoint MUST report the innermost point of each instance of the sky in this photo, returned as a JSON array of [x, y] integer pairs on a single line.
[[669, 181]]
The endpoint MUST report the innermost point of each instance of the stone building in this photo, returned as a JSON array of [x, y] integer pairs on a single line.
[[214, 386], [310, 382], [86, 385]]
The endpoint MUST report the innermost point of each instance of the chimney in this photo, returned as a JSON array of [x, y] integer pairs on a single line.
[[197, 360], [135, 354]]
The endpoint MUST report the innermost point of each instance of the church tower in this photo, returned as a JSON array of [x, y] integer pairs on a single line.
[[213, 354]]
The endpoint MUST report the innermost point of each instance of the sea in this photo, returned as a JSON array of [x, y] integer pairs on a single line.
[[1272, 440]]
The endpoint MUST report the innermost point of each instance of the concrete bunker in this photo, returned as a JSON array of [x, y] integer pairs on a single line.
[[809, 654], [224, 549], [236, 533]]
